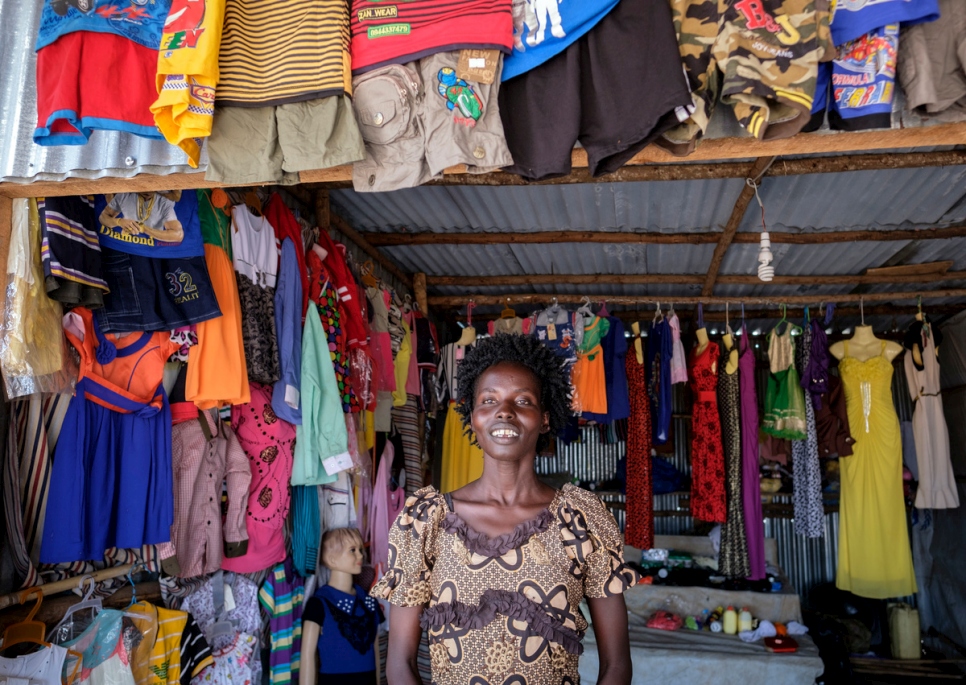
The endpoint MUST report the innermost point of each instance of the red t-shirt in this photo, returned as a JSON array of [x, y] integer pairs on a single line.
[[398, 32]]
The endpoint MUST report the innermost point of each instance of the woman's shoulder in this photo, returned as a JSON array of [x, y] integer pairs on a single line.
[[575, 495], [423, 509]]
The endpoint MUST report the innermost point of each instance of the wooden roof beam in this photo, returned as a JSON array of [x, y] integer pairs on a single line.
[[525, 298], [339, 224], [684, 279], [379, 239]]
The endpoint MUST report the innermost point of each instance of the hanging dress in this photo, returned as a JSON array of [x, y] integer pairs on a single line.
[[734, 545], [750, 474], [660, 349], [875, 559], [323, 294], [588, 378], [937, 484], [462, 457], [807, 505], [639, 530], [784, 398], [707, 459], [679, 360]]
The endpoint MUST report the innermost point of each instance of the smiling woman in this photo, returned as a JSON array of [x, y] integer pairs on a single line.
[[495, 571]]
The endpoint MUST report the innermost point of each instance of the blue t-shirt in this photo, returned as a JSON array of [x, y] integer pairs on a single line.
[[547, 27], [186, 211], [854, 18], [138, 20], [614, 348], [349, 625]]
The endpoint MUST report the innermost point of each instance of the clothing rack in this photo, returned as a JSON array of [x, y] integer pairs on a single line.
[[768, 302], [67, 584]]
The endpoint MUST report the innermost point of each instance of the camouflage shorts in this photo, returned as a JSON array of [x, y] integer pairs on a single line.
[[760, 56]]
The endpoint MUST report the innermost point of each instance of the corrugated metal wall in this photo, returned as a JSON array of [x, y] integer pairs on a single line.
[[807, 561]]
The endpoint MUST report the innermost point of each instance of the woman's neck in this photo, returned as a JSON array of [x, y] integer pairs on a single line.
[[508, 483]]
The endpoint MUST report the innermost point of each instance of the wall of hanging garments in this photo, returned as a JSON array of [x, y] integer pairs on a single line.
[[401, 98]]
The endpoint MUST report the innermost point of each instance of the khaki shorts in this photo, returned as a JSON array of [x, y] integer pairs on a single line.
[[272, 144], [419, 118]]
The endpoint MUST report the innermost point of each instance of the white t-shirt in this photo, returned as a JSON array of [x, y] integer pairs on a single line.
[[39, 668], [253, 247]]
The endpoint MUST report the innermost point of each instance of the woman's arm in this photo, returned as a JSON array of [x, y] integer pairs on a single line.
[[310, 642], [609, 617], [404, 636]]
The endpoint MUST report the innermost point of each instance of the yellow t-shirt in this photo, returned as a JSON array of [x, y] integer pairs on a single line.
[[188, 73], [171, 642]]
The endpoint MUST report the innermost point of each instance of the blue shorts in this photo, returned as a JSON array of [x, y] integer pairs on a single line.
[[154, 294]]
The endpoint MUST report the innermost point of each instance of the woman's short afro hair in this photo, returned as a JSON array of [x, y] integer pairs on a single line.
[[527, 351]]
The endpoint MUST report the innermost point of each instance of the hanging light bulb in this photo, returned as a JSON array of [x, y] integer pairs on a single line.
[[766, 271]]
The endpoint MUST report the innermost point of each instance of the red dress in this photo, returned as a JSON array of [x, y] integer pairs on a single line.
[[639, 530], [707, 455]]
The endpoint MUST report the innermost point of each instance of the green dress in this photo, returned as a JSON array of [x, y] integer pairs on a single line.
[[784, 397]]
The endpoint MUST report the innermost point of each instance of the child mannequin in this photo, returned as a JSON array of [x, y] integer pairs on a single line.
[[340, 620]]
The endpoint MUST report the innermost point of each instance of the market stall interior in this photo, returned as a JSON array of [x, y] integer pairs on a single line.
[[238, 298]]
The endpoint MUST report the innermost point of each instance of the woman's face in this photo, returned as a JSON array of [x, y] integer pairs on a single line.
[[507, 417]]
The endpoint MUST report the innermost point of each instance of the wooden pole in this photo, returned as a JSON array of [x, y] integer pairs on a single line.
[[53, 610], [67, 584], [419, 292], [339, 224], [323, 211], [811, 300], [657, 238], [684, 279], [747, 194], [6, 229]]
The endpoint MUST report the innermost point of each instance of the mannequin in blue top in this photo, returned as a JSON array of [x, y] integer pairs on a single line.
[[340, 620]]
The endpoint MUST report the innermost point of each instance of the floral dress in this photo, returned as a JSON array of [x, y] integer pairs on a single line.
[[323, 293], [504, 609], [707, 455]]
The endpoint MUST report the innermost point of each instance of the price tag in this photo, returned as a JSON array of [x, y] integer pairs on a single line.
[[551, 332], [478, 65], [229, 598], [339, 462]]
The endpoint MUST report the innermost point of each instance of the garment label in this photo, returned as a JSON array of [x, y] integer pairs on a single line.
[[229, 598], [478, 65], [551, 332], [292, 396], [339, 462]]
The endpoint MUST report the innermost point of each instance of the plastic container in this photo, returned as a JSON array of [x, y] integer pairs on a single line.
[[904, 631], [744, 620], [729, 621]]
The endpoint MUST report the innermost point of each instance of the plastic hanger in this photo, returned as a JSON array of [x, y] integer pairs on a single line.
[[368, 279], [785, 320], [603, 309], [670, 311], [508, 312], [584, 309], [87, 602], [28, 630], [658, 315]]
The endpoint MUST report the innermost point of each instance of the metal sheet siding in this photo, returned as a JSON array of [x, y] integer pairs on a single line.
[[106, 154]]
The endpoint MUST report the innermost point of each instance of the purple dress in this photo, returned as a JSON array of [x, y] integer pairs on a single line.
[[750, 479]]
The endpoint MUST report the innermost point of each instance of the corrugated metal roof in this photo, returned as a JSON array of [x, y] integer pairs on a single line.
[[106, 154]]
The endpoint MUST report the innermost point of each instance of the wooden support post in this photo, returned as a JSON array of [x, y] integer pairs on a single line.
[[737, 214], [323, 211], [419, 292]]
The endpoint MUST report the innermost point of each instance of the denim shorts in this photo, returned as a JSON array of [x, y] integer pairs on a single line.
[[154, 294]]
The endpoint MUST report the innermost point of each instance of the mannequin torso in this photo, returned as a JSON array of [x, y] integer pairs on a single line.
[[864, 346], [731, 365]]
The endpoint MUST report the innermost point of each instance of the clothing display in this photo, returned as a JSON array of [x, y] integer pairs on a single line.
[[323, 293], [173, 651], [937, 483], [750, 475], [806, 473], [679, 364], [590, 389], [282, 596], [419, 118], [43, 667], [156, 216], [639, 531], [832, 422], [614, 349], [784, 401], [70, 252], [347, 633], [588, 84], [733, 561], [288, 325], [708, 502], [931, 69], [531, 626], [660, 349], [875, 559]]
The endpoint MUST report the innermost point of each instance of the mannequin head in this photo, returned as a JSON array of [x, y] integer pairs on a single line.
[[342, 551]]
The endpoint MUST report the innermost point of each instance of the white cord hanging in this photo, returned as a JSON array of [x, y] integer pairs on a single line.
[[766, 271]]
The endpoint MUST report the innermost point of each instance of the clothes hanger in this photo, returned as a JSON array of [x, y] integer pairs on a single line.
[[670, 311], [508, 312], [368, 279], [603, 309], [658, 315], [30, 631], [88, 601], [468, 336], [584, 309]]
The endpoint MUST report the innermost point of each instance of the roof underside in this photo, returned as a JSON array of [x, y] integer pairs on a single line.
[[878, 200]]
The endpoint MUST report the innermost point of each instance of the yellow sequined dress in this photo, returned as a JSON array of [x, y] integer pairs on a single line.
[[875, 559]]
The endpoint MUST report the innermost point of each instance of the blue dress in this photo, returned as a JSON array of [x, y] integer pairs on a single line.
[[660, 349]]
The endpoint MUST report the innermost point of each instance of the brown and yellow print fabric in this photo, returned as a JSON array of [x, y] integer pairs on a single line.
[[761, 56], [504, 610]]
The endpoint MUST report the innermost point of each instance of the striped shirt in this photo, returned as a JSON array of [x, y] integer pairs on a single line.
[[279, 51], [282, 596], [174, 650], [397, 32]]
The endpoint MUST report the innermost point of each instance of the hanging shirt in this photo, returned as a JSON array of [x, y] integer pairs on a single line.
[[173, 650], [854, 18], [157, 211], [188, 73], [287, 226], [402, 32], [254, 253], [543, 29], [282, 597], [322, 433], [614, 347], [42, 667], [69, 249], [205, 455], [288, 325], [140, 22]]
